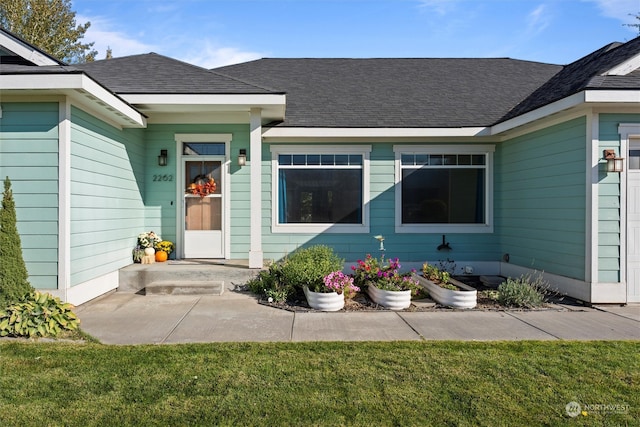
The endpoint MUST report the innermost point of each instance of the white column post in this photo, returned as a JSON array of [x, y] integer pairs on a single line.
[[64, 197], [256, 257]]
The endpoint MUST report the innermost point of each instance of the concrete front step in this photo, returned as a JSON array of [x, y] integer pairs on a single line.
[[185, 288], [136, 277]]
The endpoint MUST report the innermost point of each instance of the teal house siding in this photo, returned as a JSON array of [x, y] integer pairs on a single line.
[[29, 157], [161, 197], [409, 247], [540, 199], [609, 203], [107, 196]]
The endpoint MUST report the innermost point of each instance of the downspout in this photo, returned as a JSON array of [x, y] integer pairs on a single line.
[[256, 256]]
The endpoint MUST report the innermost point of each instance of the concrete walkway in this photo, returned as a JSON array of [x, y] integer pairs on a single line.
[[126, 318]]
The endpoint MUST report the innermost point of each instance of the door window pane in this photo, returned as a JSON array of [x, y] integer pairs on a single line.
[[203, 148], [634, 159], [203, 201]]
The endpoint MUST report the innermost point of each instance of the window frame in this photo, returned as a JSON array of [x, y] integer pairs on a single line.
[[315, 228], [486, 150]]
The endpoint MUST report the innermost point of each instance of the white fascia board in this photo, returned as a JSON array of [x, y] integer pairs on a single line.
[[625, 68], [617, 96], [76, 85], [273, 106], [25, 50], [306, 132], [584, 97], [260, 100], [537, 114]]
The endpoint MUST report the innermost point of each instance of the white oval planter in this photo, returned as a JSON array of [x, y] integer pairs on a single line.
[[467, 297], [330, 301], [394, 300], [149, 251]]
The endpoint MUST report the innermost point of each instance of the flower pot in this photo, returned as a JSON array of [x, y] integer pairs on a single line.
[[161, 256], [394, 300], [330, 301], [149, 251], [466, 297]]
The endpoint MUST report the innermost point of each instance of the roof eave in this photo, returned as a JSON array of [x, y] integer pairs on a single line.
[[282, 133], [79, 87], [589, 97], [273, 106]]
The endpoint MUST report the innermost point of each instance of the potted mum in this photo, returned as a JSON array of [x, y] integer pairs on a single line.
[[148, 241], [445, 290], [330, 295], [163, 250]]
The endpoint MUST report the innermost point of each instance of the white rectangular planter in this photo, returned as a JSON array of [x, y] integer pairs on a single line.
[[467, 297], [394, 300]]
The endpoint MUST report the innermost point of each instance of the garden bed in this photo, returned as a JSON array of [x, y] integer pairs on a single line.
[[361, 302]]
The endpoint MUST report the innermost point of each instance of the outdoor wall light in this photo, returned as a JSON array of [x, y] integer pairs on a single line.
[[614, 164], [242, 157], [162, 158]]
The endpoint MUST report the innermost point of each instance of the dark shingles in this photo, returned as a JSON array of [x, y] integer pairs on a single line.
[[156, 74], [585, 73], [399, 92]]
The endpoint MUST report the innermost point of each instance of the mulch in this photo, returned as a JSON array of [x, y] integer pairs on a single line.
[[361, 302]]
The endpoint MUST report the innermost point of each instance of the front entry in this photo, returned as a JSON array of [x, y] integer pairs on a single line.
[[633, 222], [204, 204]]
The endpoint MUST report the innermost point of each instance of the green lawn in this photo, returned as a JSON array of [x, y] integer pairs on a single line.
[[403, 383]]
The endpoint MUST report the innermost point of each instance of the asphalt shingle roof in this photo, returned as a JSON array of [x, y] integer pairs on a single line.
[[585, 73], [396, 92], [157, 74]]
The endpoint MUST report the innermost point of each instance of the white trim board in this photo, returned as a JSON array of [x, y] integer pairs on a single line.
[[78, 87]]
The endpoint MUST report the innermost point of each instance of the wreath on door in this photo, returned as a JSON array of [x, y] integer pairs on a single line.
[[202, 186]]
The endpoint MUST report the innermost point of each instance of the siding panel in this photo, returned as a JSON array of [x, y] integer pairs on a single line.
[[29, 157], [609, 193], [540, 199], [107, 205]]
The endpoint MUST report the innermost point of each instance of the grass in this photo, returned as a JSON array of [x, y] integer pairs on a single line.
[[397, 383]]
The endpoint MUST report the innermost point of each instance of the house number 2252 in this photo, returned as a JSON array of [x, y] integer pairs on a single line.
[[165, 177]]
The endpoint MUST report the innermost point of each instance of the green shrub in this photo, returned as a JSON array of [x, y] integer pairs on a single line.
[[270, 285], [523, 292], [14, 282], [307, 267], [37, 315]]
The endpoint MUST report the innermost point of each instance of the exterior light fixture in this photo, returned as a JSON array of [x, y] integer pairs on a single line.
[[614, 164], [162, 158], [242, 157]]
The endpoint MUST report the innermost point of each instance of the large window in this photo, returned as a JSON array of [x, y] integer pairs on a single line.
[[443, 189], [320, 188]]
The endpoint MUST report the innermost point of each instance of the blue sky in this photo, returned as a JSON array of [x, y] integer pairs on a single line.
[[212, 33]]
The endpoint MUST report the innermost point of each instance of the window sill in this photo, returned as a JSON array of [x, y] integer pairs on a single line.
[[443, 228], [320, 228]]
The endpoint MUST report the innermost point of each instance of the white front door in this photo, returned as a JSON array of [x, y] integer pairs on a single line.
[[204, 207], [633, 222]]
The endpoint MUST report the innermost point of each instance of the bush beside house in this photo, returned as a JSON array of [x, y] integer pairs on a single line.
[[14, 283]]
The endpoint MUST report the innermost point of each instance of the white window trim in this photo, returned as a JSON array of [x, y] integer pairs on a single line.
[[487, 227], [363, 150]]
